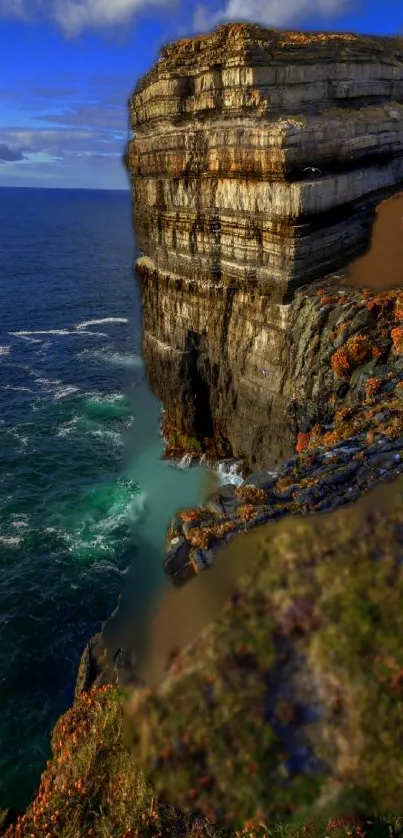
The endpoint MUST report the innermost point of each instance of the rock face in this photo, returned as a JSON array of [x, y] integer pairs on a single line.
[[258, 162]]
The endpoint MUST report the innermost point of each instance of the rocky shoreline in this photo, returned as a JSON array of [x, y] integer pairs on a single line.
[[351, 440], [349, 443], [255, 357], [318, 482]]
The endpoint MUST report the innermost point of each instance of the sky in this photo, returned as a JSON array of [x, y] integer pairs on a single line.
[[68, 68]]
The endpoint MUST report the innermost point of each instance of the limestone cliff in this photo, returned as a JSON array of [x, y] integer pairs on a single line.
[[258, 161]]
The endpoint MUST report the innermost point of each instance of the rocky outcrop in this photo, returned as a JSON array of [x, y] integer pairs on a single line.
[[258, 162], [227, 127], [290, 701]]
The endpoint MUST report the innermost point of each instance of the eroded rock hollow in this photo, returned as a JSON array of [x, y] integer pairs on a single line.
[[258, 161]]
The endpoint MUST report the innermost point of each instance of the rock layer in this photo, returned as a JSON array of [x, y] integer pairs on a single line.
[[228, 126], [232, 219]]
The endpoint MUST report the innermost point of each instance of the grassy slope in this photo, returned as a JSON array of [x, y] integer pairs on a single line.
[[325, 590]]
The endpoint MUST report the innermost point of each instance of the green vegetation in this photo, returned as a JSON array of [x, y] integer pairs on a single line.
[[319, 604], [327, 591]]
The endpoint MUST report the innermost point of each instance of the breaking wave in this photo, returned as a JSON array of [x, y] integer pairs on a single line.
[[100, 322]]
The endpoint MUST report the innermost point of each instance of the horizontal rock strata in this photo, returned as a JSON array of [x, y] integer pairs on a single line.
[[228, 127], [348, 362], [258, 161]]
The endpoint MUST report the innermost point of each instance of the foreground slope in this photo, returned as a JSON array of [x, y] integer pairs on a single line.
[[289, 704]]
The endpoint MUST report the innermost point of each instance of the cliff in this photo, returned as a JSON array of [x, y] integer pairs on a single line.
[[258, 162], [287, 706], [284, 702]]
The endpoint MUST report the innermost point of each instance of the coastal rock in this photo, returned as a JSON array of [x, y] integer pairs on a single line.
[[256, 152], [322, 481], [94, 669], [296, 669], [236, 224]]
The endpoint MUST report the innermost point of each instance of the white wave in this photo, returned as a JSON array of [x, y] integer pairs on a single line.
[[114, 437], [136, 508], [10, 540], [97, 538], [67, 427], [83, 426], [19, 520], [68, 390], [229, 473], [105, 565], [23, 334], [17, 389], [27, 335], [57, 388], [5, 350], [19, 437], [27, 338], [48, 382], [185, 461], [105, 398], [100, 322], [116, 358]]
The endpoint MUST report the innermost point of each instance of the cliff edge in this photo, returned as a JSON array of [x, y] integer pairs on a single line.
[[258, 162]]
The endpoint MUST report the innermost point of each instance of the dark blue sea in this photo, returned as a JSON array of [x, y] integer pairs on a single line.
[[85, 495]]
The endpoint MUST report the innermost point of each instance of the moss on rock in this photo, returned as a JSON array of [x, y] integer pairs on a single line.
[[316, 623]]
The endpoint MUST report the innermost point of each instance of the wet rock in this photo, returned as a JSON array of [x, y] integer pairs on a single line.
[[344, 474], [93, 669], [176, 559], [350, 444], [202, 559], [261, 479], [287, 493], [188, 526], [215, 504], [360, 320], [226, 492], [310, 495]]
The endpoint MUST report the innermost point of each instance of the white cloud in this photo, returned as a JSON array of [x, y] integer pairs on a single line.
[[73, 16], [282, 13]]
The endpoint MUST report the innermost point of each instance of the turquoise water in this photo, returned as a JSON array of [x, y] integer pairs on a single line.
[[85, 496]]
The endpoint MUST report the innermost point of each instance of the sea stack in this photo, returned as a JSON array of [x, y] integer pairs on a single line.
[[258, 162]]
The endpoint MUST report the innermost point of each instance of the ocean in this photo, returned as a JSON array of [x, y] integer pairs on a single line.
[[85, 495]]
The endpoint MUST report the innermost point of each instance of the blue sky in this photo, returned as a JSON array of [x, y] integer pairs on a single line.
[[67, 68]]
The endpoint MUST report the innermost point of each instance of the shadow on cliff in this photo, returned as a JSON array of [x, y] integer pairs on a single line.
[[177, 617]]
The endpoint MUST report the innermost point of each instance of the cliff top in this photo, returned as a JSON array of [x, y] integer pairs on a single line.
[[233, 38]]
